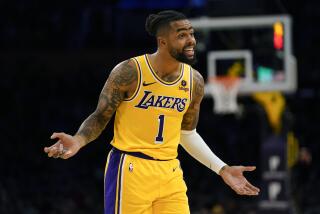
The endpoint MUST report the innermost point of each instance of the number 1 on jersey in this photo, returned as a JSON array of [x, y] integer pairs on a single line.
[[159, 138]]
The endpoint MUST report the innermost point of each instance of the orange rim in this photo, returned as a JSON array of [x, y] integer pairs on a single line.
[[227, 81]]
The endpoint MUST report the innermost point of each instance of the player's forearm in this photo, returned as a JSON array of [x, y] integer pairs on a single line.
[[91, 128], [192, 142]]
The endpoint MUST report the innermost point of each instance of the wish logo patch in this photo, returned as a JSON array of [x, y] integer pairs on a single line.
[[183, 86]]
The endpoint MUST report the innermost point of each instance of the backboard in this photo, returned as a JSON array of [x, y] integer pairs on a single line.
[[257, 49]]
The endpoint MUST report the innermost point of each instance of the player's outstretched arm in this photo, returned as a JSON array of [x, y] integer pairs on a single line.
[[121, 82], [192, 142]]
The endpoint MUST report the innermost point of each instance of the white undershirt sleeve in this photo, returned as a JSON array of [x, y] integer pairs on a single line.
[[193, 143]]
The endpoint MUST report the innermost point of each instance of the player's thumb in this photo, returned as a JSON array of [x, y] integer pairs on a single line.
[[249, 168], [53, 136], [56, 135]]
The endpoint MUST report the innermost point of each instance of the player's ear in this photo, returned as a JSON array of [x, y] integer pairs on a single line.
[[161, 41]]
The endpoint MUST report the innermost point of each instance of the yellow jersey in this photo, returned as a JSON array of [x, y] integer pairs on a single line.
[[150, 120]]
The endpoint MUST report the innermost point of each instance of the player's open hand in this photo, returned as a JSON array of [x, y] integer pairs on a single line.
[[64, 148], [233, 176]]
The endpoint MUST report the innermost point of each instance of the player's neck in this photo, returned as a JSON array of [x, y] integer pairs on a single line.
[[164, 64]]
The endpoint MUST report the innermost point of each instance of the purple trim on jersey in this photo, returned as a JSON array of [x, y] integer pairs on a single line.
[[154, 74], [110, 183], [119, 183]]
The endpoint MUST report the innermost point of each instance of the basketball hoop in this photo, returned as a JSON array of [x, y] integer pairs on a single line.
[[224, 90]]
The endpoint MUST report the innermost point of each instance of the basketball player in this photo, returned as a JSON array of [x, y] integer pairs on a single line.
[[156, 98]]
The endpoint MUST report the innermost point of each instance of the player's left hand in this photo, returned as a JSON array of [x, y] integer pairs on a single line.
[[233, 176]]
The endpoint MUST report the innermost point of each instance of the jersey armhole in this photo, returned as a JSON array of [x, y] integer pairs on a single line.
[[138, 82]]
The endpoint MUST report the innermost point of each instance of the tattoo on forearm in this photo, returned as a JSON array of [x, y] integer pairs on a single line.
[[110, 98], [191, 117]]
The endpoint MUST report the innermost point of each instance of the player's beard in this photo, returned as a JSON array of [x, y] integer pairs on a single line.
[[181, 57]]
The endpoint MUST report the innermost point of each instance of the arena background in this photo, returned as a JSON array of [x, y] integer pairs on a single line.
[[54, 59]]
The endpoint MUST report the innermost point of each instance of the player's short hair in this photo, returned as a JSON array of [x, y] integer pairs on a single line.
[[162, 19]]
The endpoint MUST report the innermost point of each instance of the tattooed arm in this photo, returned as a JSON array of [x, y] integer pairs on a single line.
[[120, 84], [192, 142], [191, 117]]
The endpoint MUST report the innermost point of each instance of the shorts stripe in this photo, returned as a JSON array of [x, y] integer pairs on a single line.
[[110, 182], [120, 184]]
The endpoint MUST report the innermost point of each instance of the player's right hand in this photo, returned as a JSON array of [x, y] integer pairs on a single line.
[[66, 146]]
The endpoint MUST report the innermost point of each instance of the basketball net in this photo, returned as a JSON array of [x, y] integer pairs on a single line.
[[224, 90]]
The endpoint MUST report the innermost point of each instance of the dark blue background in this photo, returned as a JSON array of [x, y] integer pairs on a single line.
[[54, 59]]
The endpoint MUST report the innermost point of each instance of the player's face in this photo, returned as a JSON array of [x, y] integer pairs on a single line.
[[181, 41]]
